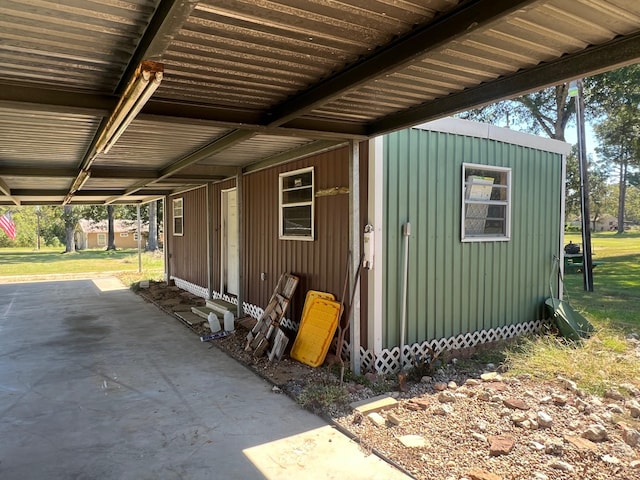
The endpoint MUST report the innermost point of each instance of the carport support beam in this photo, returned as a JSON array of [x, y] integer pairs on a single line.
[[354, 240], [168, 237], [239, 206], [210, 252]]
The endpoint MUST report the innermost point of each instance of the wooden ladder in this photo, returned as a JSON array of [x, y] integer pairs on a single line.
[[267, 332]]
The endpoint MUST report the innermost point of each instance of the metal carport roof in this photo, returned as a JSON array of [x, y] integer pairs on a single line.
[[251, 82]]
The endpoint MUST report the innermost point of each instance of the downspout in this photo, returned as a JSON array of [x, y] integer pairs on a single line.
[[406, 232], [354, 240]]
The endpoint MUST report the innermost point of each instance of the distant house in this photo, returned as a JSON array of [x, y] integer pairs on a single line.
[[92, 234]]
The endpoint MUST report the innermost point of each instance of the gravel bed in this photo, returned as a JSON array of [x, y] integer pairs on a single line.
[[471, 422]]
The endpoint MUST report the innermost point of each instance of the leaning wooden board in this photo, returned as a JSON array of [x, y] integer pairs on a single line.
[[267, 328], [316, 332]]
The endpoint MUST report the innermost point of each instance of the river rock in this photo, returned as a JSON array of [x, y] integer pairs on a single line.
[[544, 419], [562, 466], [595, 432]]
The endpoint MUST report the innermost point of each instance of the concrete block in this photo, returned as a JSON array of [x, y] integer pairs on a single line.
[[375, 404]]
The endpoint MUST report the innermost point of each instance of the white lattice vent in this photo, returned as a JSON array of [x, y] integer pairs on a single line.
[[191, 287], [255, 311], [388, 361]]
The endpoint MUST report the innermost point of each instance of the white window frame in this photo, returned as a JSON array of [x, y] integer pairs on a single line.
[[470, 237], [178, 214], [135, 236], [282, 205], [101, 239], [124, 234]]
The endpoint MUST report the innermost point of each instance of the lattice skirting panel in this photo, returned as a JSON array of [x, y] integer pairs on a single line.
[[249, 309], [388, 361], [191, 287]]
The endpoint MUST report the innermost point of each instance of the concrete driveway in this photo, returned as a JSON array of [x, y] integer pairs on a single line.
[[97, 384]]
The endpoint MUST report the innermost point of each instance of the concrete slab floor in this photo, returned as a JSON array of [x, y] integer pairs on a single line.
[[97, 384]]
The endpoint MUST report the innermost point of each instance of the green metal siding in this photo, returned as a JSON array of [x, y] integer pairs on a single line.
[[455, 287]]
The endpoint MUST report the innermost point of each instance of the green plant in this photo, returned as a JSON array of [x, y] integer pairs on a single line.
[[319, 397], [597, 364]]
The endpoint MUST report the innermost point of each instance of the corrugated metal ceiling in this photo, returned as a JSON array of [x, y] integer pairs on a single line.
[[251, 82]]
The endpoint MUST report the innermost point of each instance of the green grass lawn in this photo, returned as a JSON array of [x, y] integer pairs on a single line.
[[615, 300], [26, 262], [607, 359]]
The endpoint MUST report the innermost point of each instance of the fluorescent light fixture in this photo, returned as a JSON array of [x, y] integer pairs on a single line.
[[144, 83], [78, 183]]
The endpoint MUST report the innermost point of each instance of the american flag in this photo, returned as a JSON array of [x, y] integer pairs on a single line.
[[6, 223]]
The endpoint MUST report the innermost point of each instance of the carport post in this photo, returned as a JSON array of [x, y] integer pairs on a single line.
[[354, 240], [210, 253], [139, 240], [239, 190], [166, 238]]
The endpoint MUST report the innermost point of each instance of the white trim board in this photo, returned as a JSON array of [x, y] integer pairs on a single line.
[[469, 128]]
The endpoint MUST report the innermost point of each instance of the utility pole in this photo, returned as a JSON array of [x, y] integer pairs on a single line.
[[575, 90]]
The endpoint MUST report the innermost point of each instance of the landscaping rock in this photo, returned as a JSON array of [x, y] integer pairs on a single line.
[[375, 404], [595, 433], [554, 447], [500, 445], [544, 419], [443, 409], [518, 417], [631, 437], [516, 404], [491, 377], [478, 474], [610, 459], [613, 394], [634, 409], [580, 443], [562, 466], [413, 441], [394, 418], [559, 399], [446, 397], [377, 419], [416, 404]]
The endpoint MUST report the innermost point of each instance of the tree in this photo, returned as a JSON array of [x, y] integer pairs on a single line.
[[111, 235], [547, 112], [615, 97], [152, 243], [70, 221], [619, 136], [599, 189]]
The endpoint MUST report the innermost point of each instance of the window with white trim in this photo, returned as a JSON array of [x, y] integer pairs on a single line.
[[297, 205], [486, 203], [178, 220], [102, 239], [124, 235]]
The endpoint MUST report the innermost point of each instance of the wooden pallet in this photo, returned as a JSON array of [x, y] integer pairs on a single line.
[[266, 332]]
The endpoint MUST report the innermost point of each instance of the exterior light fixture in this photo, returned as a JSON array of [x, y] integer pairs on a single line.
[[144, 83]]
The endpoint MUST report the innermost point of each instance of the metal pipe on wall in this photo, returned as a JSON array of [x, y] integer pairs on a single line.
[[406, 232]]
